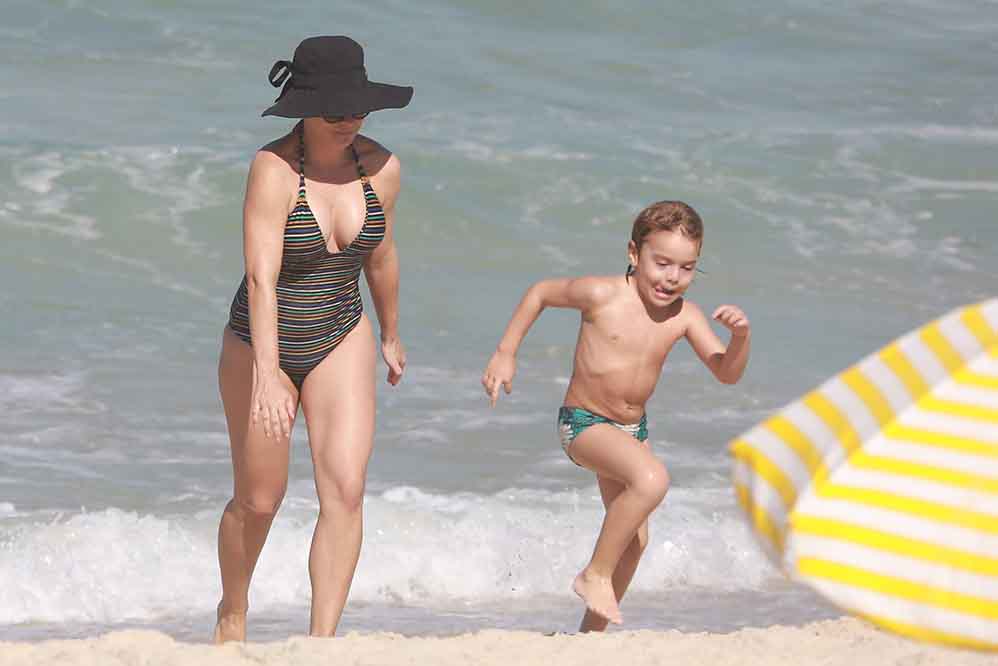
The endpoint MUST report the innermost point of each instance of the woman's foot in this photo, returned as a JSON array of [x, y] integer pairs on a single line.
[[597, 592], [229, 626]]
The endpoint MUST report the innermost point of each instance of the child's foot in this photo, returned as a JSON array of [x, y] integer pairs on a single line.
[[597, 592], [229, 627]]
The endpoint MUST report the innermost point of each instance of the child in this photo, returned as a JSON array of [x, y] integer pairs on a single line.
[[628, 327]]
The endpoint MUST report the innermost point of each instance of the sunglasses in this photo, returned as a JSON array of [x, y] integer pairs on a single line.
[[340, 119]]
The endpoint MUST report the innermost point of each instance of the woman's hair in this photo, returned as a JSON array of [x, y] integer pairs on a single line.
[[667, 216]]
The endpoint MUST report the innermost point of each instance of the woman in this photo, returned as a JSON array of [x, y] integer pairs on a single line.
[[312, 218]]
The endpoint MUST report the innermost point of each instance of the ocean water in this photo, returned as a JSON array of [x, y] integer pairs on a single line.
[[842, 157]]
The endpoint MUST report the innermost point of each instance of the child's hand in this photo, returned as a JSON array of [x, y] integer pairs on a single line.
[[500, 370], [733, 318]]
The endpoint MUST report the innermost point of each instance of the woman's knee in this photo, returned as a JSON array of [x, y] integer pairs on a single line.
[[259, 504], [345, 491]]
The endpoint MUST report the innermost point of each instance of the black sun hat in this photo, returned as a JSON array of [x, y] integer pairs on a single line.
[[327, 78]]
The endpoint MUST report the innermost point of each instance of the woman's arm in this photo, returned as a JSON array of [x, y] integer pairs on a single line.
[[381, 268], [265, 210]]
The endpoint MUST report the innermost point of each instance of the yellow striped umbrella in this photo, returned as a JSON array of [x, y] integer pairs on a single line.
[[880, 488]]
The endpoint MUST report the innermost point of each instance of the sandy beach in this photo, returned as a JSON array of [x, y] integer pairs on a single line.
[[846, 641]]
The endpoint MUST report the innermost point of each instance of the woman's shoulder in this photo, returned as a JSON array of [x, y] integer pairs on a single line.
[[382, 166], [277, 158], [376, 158]]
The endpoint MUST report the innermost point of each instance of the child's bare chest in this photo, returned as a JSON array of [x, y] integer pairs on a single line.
[[637, 341]]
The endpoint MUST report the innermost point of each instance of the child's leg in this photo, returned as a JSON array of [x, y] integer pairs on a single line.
[[614, 454], [628, 564]]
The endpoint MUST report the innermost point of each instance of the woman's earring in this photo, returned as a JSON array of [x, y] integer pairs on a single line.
[[630, 272]]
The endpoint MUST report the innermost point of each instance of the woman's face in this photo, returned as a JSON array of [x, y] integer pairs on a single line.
[[343, 128]]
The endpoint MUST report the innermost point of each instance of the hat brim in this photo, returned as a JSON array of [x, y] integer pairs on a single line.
[[310, 103]]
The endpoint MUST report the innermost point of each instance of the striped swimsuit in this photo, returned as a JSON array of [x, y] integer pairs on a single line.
[[318, 297]]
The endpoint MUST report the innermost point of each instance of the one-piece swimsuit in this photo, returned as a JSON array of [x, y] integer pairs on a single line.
[[318, 295]]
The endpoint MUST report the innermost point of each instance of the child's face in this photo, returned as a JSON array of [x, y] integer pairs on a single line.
[[664, 266]]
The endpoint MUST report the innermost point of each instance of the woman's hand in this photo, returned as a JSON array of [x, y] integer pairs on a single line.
[[500, 370], [394, 354], [272, 404]]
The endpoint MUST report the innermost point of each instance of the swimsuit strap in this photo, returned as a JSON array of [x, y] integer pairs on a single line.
[[360, 167], [301, 157], [301, 161]]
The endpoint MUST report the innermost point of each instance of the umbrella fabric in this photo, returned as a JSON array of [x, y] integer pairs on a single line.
[[880, 488]]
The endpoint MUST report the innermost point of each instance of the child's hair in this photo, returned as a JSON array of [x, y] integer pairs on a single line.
[[667, 216]]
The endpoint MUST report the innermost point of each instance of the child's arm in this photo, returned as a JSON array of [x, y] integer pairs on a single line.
[[578, 293], [727, 363]]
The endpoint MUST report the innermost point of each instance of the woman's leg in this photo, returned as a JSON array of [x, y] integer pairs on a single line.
[[338, 402], [612, 453], [628, 564], [260, 475]]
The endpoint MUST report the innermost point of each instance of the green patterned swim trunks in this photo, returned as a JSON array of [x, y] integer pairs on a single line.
[[573, 420]]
